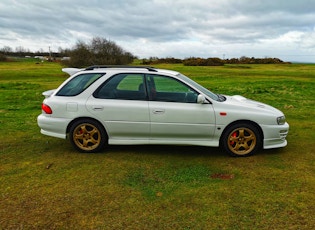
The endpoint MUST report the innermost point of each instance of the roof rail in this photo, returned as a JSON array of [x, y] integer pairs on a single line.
[[149, 68]]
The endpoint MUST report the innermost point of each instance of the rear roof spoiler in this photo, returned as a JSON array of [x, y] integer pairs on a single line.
[[71, 71]]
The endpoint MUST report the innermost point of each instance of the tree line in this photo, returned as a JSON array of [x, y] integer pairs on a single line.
[[7, 52], [196, 61], [100, 51]]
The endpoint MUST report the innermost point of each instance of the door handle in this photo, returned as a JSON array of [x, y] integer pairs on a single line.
[[158, 111], [97, 108]]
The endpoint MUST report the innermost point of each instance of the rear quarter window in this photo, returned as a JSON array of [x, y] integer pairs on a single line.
[[78, 84]]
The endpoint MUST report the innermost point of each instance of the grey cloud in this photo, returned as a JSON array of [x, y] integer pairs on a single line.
[[216, 22]]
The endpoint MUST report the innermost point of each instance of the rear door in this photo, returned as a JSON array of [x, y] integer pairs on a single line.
[[121, 103]]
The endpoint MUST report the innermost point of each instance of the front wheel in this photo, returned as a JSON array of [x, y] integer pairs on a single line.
[[241, 140], [87, 136]]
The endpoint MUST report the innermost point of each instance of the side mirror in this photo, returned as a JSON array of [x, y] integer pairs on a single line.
[[201, 99]]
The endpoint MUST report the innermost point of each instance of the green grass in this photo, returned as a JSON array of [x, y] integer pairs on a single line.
[[46, 184]]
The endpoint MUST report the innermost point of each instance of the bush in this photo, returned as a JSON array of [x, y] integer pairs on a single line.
[[203, 62], [155, 60], [3, 57]]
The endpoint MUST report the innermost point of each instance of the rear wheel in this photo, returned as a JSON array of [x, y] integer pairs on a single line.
[[87, 136], [241, 140]]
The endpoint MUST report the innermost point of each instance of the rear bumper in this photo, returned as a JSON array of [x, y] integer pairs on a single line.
[[55, 127], [275, 136]]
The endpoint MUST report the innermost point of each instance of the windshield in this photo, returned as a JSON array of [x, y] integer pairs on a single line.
[[199, 87]]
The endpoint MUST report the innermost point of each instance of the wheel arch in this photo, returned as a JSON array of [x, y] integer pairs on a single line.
[[242, 122], [84, 119]]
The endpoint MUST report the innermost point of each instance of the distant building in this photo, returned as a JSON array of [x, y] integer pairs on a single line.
[[42, 58], [65, 58]]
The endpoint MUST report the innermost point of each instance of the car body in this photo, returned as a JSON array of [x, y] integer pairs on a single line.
[[126, 105]]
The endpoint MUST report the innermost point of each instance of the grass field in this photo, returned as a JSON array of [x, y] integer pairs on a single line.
[[46, 184]]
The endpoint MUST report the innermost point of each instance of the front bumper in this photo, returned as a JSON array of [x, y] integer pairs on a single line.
[[275, 135]]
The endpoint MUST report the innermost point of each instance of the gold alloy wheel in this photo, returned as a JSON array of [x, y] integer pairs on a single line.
[[86, 136], [242, 141]]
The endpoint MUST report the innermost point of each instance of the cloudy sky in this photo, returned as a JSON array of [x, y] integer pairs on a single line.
[[166, 28]]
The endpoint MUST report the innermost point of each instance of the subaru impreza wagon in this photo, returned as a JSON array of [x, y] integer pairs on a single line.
[[125, 105]]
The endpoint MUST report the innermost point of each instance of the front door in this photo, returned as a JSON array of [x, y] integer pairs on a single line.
[[175, 115]]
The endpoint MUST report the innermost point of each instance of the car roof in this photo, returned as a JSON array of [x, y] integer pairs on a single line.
[[118, 68]]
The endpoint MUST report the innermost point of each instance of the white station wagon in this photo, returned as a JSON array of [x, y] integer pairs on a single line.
[[125, 105]]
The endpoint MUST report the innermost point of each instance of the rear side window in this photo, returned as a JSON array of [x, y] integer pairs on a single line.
[[78, 84], [123, 87]]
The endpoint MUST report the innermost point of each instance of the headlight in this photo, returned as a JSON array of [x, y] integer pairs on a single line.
[[281, 120]]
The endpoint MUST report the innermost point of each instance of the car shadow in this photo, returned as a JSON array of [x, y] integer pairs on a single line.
[[271, 152], [162, 150]]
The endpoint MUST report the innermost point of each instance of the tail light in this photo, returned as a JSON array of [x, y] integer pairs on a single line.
[[46, 109]]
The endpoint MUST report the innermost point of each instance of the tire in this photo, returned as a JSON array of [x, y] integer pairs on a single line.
[[87, 136], [241, 139]]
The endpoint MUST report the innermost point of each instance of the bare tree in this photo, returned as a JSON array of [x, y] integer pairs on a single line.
[[6, 50], [99, 51]]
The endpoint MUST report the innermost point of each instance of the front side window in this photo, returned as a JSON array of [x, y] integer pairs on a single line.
[[78, 84], [199, 87], [123, 87], [163, 88]]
